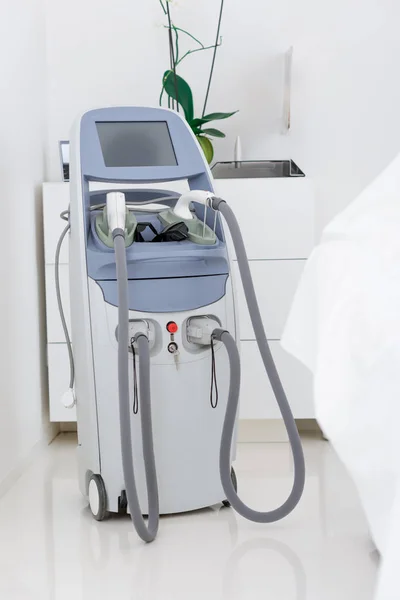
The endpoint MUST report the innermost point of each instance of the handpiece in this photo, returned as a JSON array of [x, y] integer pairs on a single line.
[[116, 210], [181, 208]]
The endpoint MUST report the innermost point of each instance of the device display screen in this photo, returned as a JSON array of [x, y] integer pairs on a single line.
[[136, 144]]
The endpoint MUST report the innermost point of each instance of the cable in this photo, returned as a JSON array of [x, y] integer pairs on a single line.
[[59, 302], [135, 386], [214, 384], [234, 388], [147, 531]]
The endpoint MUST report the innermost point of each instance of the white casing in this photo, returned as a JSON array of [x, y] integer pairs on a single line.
[[116, 210], [187, 430], [81, 325]]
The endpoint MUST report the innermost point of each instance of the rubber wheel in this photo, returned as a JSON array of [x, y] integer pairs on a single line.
[[234, 481], [98, 498]]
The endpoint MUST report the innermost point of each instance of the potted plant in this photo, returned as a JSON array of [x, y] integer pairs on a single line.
[[178, 91]]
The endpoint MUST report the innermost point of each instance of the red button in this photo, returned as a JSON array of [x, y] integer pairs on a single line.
[[172, 327]]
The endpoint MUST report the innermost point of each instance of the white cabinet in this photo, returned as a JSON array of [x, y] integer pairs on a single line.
[[257, 400], [276, 217], [58, 365], [55, 200], [55, 334], [275, 282]]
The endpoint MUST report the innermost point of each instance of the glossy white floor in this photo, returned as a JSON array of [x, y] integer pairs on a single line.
[[52, 549]]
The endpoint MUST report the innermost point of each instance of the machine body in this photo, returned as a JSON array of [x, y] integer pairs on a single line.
[[176, 284]]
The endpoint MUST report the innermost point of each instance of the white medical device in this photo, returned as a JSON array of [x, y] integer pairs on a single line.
[[154, 336]]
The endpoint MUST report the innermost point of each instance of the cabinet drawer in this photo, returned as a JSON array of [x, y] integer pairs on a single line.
[[58, 383], [275, 282], [257, 400], [55, 332], [276, 216]]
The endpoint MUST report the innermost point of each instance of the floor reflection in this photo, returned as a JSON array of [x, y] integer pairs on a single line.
[[245, 550], [56, 551]]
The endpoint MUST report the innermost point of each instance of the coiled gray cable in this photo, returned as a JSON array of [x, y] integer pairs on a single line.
[[146, 532], [234, 389], [60, 305]]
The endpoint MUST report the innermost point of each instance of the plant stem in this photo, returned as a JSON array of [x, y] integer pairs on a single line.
[[177, 30], [176, 45], [173, 65], [163, 7], [213, 60], [190, 35], [193, 51]]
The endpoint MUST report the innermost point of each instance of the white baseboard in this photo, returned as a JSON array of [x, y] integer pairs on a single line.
[[64, 427], [254, 430], [261, 430], [50, 431]]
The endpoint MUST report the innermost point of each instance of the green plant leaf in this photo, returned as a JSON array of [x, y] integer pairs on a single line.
[[213, 132], [207, 147], [178, 89], [211, 117], [219, 115], [196, 123]]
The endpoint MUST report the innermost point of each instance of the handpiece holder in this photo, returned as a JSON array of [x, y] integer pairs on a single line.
[[181, 208]]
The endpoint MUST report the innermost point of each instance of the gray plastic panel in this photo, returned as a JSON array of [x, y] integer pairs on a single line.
[[156, 260], [160, 260], [168, 295], [149, 261], [191, 162]]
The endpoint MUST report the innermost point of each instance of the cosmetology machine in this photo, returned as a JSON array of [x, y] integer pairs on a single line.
[[155, 368]]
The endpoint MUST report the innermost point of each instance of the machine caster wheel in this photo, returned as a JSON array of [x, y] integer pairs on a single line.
[[98, 498], [234, 481]]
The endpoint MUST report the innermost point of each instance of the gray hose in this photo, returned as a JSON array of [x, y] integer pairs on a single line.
[[60, 306], [146, 532], [234, 388]]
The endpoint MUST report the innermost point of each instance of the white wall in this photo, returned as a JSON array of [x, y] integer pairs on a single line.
[[346, 97], [345, 92], [22, 101]]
